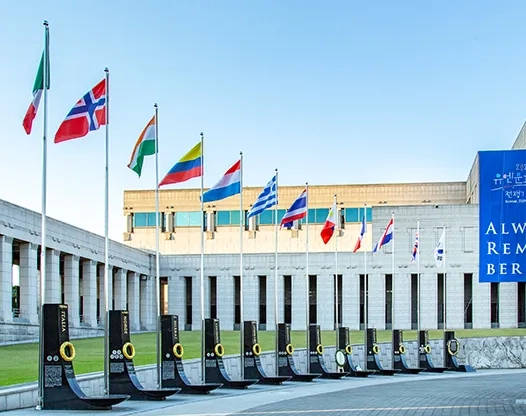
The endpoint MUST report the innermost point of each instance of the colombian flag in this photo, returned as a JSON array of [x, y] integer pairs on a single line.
[[189, 166]]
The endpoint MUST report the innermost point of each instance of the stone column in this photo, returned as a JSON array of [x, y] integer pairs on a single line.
[[428, 301], [325, 301], [481, 303], [89, 292], [298, 301], [53, 281], [402, 300], [100, 274], [376, 301], [351, 300], [225, 301], [454, 300], [250, 297], [271, 320], [177, 298], [71, 288], [508, 305], [133, 295], [119, 294], [196, 302], [6, 278], [29, 282], [146, 303]]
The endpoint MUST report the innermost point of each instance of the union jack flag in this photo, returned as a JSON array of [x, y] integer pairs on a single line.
[[416, 251], [88, 114]]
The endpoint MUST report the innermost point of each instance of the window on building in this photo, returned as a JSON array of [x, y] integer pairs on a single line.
[[313, 302], [228, 218], [414, 301], [145, 219], [440, 300], [338, 281], [469, 239], [237, 304], [213, 296], [188, 219], [188, 302], [494, 305], [468, 300], [267, 217], [287, 299], [262, 280], [521, 304], [356, 214], [388, 301]]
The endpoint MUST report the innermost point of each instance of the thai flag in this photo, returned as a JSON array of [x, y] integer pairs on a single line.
[[362, 233], [414, 253], [229, 184], [386, 236], [297, 210]]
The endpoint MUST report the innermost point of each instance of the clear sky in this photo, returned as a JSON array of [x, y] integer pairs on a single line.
[[328, 92]]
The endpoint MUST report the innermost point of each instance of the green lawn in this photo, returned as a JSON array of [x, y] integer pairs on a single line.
[[18, 363]]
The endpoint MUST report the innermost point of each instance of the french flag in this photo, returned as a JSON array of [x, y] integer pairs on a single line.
[[297, 210], [362, 233], [386, 236], [230, 184]]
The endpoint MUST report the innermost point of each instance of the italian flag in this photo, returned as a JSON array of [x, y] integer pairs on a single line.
[[145, 146], [38, 87]]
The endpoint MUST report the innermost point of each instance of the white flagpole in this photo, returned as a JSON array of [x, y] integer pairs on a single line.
[[276, 310], [337, 230], [307, 278], [444, 277], [157, 277], [241, 221], [365, 284], [393, 276], [202, 268], [106, 246], [42, 294], [418, 276]]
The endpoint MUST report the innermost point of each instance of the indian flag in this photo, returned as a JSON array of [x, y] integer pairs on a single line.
[[38, 87], [145, 146]]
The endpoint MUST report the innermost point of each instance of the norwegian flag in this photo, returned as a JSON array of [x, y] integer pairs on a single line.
[[88, 114]]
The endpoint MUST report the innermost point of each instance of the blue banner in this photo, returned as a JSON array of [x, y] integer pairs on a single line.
[[502, 216]]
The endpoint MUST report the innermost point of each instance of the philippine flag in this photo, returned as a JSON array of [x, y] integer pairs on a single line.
[[330, 223], [230, 184], [362, 233], [297, 210], [386, 236]]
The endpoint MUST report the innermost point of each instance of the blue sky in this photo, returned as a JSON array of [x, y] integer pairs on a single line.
[[328, 92]]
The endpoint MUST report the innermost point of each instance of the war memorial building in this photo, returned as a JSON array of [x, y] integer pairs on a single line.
[[75, 262]]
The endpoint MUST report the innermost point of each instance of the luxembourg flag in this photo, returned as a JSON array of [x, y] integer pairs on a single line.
[[230, 184], [330, 224], [362, 233], [386, 236]]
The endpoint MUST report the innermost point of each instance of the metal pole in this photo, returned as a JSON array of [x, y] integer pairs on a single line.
[[418, 276], [202, 268], [276, 311], [307, 277], [106, 246], [393, 280], [336, 300], [444, 284], [40, 404], [241, 221], [157, 277], [365, 281]]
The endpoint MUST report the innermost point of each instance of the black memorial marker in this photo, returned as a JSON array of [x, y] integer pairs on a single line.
[[252, 350], [215, 371], [172, 369], [123, 379], [61, 390], [399, 350], [451, 349], [286, 366], [424, 354], [317, 363], [373, 361], [344, 345]]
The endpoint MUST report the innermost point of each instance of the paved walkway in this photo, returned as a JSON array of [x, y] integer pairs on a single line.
[[489, 392]]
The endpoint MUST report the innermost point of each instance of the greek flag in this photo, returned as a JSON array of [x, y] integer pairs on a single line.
[[266, 199]]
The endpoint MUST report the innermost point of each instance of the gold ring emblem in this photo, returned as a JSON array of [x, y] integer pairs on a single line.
[[348, 349], [219, 350], [427, 349], [376, 349], [178, 350], [256, 349], [67, 351], [128, 350], [450, 350], [289, 349], [319, 349], [401, 349]]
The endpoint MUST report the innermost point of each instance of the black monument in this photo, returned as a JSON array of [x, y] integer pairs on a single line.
[[172, 369], [286, 366], [123, 379], [424, 353], [373, 361], [215, 371], [317, 363], [451, 348], [344, 345], [399, 350], [61, 390]]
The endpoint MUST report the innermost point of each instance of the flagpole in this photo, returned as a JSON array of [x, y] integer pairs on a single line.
[[202, 276], [418, 276], [241, 221], [276, 311], [393, 276], [365, 281], [157, 281], [336, 226], [444, 275], [307, 277], [40, 404], [106, 244]]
